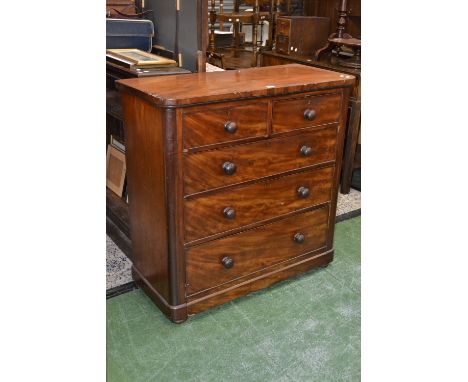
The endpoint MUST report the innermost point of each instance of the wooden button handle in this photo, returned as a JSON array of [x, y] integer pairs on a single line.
[[309, 114], [230, 127]]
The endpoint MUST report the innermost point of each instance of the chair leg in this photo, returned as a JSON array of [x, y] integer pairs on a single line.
[[211, 44], [255, 21], [254, 43]]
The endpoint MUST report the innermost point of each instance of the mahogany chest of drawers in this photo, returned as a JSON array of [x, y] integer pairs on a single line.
[[232, 180]]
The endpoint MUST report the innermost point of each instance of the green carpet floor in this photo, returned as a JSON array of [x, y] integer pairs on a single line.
[[302, 329]]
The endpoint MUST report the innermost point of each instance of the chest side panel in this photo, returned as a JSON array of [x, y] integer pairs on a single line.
[[146, 189]]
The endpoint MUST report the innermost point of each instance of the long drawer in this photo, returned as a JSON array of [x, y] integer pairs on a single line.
[[234, 208], [299, 113], [226, 259], [221, 124], [236, 164]]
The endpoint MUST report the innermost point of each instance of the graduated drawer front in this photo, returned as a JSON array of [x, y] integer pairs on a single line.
[[212, 214], [299, 113], [254, 250], [207, 170], [221, 124]]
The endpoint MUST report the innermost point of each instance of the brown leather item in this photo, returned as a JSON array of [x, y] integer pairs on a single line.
[[229, 190]]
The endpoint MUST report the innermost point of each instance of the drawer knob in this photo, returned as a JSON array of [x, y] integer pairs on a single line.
[[309, 114], [306, 151], [299, 238], [229, 168], [229, 213], [227, 262], [303, 192], [230, 127]]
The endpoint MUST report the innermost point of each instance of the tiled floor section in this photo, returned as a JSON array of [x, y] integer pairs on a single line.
[[119, 266], [303, 329], [349, 202]]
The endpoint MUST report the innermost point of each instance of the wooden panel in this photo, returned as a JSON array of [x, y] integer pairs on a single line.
[[146, 178], [206, 125], [291, 39], [204, 170], [233, 84], [279, 272], [204, 215], [283, 26], [290, 114], [255, 249]]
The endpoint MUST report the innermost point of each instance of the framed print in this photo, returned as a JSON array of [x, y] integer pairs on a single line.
[[139, 58], [116, 169]]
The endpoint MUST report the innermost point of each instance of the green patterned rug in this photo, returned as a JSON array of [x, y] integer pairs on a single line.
[[302, 329]]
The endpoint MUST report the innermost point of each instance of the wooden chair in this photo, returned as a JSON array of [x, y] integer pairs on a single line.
[[238, 18], [215, 59]]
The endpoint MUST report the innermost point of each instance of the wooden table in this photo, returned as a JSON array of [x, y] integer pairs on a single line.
[[351, 160]]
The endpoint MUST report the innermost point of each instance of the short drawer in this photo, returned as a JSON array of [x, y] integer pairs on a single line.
[[233, 208], [239, 255], [216, 168], [299, 113], [211, 125]]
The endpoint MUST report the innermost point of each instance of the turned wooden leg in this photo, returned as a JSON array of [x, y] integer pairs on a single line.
[[211, 45]]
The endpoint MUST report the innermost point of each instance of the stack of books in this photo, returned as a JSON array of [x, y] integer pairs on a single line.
[[137, 59]]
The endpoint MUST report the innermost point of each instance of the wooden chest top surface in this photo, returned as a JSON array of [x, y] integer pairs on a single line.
[[199, 88]]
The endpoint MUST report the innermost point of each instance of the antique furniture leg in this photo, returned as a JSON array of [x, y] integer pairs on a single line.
[[211, 44], [274, 14], [255, 21], [221, 10], [352, 135]]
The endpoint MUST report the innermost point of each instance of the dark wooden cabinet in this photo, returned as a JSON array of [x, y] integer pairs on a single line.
[[301, 35], [230, 190]]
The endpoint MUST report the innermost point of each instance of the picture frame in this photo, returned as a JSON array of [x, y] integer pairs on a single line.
[[116, 169], [139, 57]]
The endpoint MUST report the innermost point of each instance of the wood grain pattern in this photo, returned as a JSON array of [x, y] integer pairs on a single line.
[[255, 249], [256, 202], [289, 114], [175, 188], [203, 171], [206, 125], [278, 273], [232, 84], [354, 122], [145, 175]]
